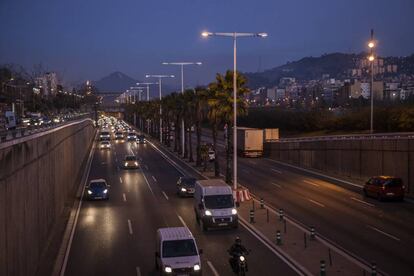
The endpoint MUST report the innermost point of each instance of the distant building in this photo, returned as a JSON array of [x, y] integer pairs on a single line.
[[47, 84], [271, 93]]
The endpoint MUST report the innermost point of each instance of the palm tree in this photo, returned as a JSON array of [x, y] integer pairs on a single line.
[[189, 115], [201, 107], [224, 94]]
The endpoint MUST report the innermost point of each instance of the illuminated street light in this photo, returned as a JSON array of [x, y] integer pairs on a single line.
[[234, 36], [160, 77], [371, 59], [182, 64]]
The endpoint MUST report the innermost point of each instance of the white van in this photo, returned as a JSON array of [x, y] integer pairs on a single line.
[[214, 205], [176, 252]]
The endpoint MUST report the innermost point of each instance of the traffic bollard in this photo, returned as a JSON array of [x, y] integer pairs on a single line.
[[281, 214], [284, 226], [261, 203], [251, 216], [330, 257], [312, 233], [323, 268], [373, 269], [278, 238], [304, 240]]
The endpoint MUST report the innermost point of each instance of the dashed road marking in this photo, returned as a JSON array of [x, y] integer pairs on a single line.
[[165, 195], [276, 171], [213, 269], [311, 183], [275, 184], [362, 201], [153, 177], [182, 221], [315, 202], [138, 271], [124, 197], [384, 233], [146, 167], [130, 227], [120, 179]]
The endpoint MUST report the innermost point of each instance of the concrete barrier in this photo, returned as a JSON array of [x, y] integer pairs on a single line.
[[354, 159], [38, 177]]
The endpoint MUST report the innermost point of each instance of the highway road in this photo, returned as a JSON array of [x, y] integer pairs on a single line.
[[117, 237], [381, 232]]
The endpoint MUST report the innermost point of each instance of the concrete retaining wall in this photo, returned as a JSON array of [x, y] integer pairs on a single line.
[[354, 159], [38, 177]]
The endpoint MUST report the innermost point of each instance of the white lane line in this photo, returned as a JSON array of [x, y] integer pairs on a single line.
[[311, 183], [138, 271], [124, 197], [146, 167], [182, 221], [315, 202], [165, 195], [146, 181], [213, 269], [130, 227], [315, 173], [384, 233], [275, 184], [153, 177], [363, 202], [276, 171], [120, 179]]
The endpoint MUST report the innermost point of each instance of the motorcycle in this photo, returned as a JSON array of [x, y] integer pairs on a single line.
[[238, 264]]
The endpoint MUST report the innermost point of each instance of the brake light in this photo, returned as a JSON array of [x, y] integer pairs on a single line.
[[383, 188]]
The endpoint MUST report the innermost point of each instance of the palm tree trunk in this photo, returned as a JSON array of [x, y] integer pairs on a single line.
[[198, 147], [190, 145], [185, 139], [216, 162], [228, 155]]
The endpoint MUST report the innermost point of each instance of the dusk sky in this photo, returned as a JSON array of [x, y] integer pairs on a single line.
[[88, 39]]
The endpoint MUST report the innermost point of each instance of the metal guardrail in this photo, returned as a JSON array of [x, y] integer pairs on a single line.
[[9, 135], [376, 136]]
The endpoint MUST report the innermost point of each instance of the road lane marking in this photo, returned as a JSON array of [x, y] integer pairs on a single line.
[[315, 202], [146, 181], [124, 197], [130, 227], [275, 184], [311, 183], [138, 271], [213, 269], [276, 171], [165, 195], [384, 233], [120, 179], [153, 177], [182, 221], [146, 167], [362, 201]]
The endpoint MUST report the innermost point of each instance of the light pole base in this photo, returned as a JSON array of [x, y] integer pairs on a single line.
[[241, 194]]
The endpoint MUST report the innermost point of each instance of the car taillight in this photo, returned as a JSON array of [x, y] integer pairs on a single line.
[[383, 187]]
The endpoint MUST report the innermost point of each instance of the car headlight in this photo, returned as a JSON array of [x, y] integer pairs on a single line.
[[233, 211], [168, 269], [197, 267], [89, 192], [126, 164], [207, 213], [242, 258], [183, 190], [105, 191], [136, 163]]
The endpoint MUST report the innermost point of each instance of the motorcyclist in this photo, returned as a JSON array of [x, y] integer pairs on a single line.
[[235, 251]]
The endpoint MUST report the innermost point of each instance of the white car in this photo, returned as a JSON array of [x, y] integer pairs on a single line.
[[105, 145]]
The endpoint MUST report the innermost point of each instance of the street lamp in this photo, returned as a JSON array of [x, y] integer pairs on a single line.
[[160, 77], [371, 58], [234, 36], [147, 85], [182, 64]]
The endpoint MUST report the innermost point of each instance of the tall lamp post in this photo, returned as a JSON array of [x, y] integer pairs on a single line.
[[234, 36], [371, 58], [147, 84], [160, 77], [182, 64]]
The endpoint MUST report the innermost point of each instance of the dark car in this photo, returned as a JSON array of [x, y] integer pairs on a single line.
[[132, 136], [119, 135], [97, 189], [141, 139], [383, 187], [185, 186]]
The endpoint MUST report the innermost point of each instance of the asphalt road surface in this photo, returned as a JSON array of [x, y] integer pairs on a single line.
[[117, 236], [381, 232]]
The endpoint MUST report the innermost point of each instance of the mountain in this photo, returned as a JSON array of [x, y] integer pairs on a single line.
[[115, 82], [337, 65]]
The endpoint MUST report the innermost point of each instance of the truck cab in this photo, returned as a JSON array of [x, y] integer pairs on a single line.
[[214, 205]]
